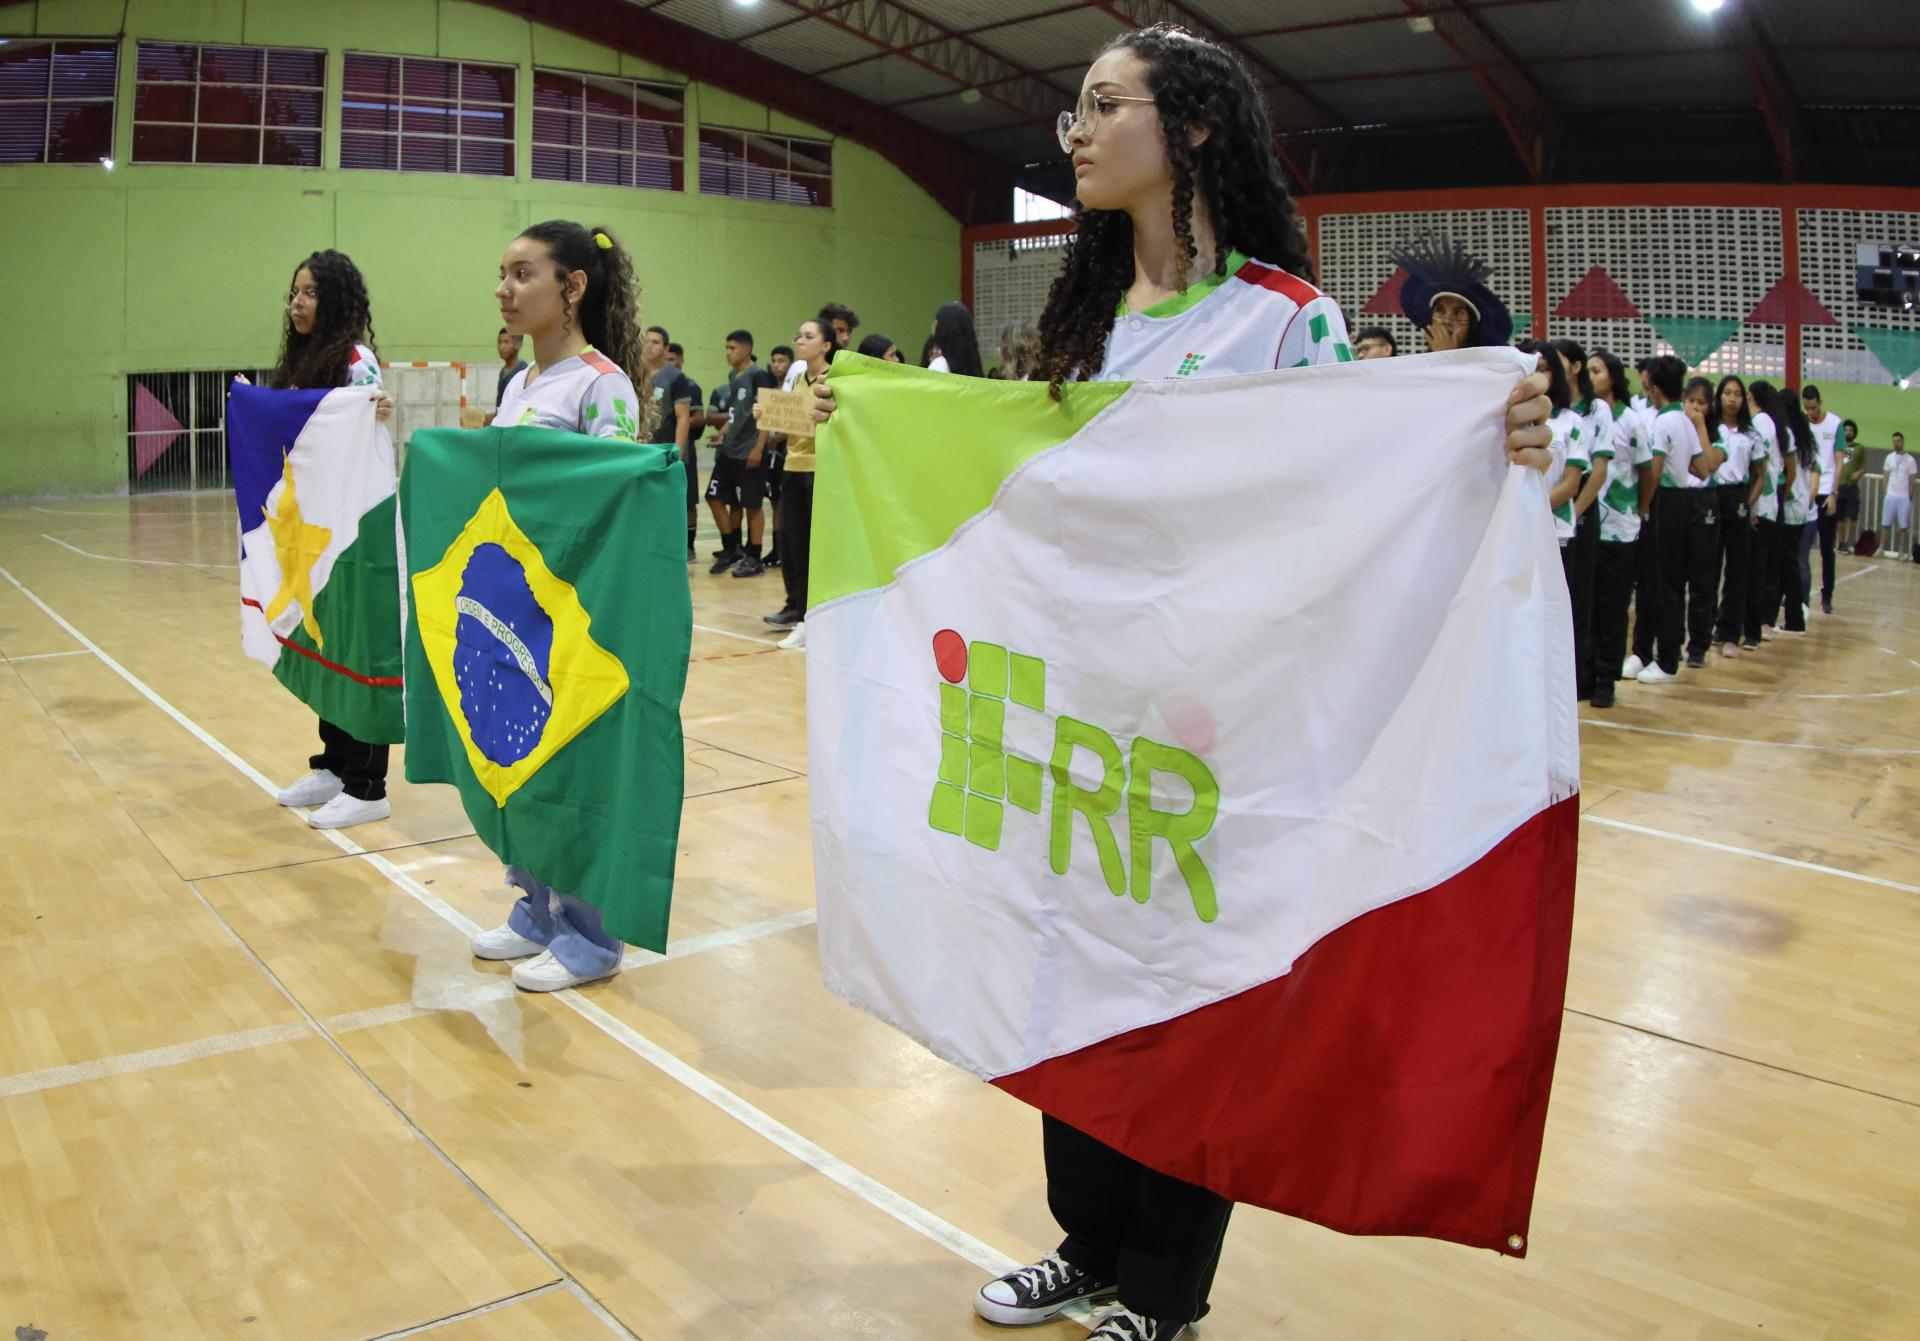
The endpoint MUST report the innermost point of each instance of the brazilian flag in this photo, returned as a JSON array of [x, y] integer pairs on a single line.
[[548, 628]]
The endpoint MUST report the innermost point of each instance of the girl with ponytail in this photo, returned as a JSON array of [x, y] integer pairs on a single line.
[[571, 289]]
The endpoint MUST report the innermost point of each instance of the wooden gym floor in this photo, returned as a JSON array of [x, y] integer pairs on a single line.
[[252, 1085]]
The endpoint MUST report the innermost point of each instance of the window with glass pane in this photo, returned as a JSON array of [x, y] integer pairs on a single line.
[[607, 131], [410, 114], [56, 100], [754, 165], [220, 104]]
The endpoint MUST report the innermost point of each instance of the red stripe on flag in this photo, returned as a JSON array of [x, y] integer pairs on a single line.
[[377, 681], [1394, 1082]]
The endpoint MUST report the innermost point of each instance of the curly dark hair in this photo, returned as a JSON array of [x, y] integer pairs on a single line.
[[341, 319], [1233, 171], [609, 311]]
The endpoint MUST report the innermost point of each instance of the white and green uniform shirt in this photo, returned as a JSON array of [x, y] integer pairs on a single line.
[[1676, 442], [1741, 445], [1620, 496], [1767, 507], [1825, 434], [1254, 319], [1569, 449], [587, 393], [363, 368], [1798, 504]]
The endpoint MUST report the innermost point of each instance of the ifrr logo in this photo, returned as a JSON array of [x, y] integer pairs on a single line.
[[979, 778]]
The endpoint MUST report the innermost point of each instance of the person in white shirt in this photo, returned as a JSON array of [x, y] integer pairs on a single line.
[[1148, 292], [1830, 448], [1896, 514], [571, 290], [1596, 443], [1734, 481], [1769, 470], [954, 338], [1684, 519], [1630, 477], [1568, 470], [328, 316]]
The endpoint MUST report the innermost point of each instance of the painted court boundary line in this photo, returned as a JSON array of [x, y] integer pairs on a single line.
[[1746, 740], [1775, 858], [152, 563], [762, 1124]]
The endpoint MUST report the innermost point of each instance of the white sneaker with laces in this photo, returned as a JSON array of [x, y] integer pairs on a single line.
[[1123, 1324], [797, 640], [547, 974], [503, 942], [316, 788], [1654, 675], [343, 811], [1040, 1292], [1631, 668]]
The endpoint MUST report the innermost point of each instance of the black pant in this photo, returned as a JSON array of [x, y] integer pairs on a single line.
[[1793, 588], [1829, 524], [361, 768], [1646, 586], [1735, 562], [1612, 592], [1586, 541], [796, 537], [1158, 1237], [1689, 549], [1763, 578]]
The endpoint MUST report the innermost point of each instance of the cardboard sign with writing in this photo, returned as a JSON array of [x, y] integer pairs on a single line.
[[788, 411]]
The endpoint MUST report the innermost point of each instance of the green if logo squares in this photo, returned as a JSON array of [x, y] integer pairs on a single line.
[[1029, 682], [948, 810], [1023, 784], [988, 774], [1318, 328], [987, 669], [953, 760], [988, 720], [953, 710], [983, 822]]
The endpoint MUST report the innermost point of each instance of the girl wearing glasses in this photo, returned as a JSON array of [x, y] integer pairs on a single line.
[[1186, 230]]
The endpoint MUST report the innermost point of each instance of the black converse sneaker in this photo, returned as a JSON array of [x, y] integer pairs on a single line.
[[1123, 1324], [1038, 1293]]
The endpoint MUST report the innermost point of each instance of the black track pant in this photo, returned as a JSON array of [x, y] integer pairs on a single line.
[[1613, 571], [1689, 540], [361, 767], [1735, 563], [1763, 581]]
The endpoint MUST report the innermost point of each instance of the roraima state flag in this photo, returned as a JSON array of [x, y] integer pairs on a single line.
[[313, 477], [1197, 761]]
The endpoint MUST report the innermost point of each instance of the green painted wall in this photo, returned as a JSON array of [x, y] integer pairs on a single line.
[[151, 268]]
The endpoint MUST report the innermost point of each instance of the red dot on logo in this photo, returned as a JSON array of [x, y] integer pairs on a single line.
[[950, 655]]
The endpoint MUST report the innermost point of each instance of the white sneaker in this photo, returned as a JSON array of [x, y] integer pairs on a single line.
[[1631, 668], [797, 640], [343, 811], [316, 788], [503, 942], [547, 974], [1654, 675]]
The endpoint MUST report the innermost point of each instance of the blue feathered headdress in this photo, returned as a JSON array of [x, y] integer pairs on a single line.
[[1435, 266]]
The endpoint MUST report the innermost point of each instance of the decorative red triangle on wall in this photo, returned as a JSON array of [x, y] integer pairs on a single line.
[[1597, 298], [1386, 303], [1788, 303]]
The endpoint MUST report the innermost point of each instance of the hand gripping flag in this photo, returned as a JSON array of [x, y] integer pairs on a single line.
[[1198, 763], [313, 477], [547, 639]]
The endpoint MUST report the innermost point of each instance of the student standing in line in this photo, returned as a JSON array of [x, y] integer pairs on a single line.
[[1185, 225], [1596, 442], [1851, 462], [1801, 451], [1896, 513], [675, 399], [1374, 342], [1829, 447], [507, 345], [572, 290], [696, 425], [327, 341], [1648, 588], [1769, 471], [958, 348], [1569, 466], [779, 369], [845, 322], [739, 481], [814, 343], [877, 346], [1631, 476], [1683, 517], [1735, 481]]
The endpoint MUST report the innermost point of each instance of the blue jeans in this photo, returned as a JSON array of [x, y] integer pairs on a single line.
[[567, 926], [1808, 535]]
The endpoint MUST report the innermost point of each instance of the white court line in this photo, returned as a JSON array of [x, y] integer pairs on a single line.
[[1858, 572], [1756, 855], [743, 637], [876, 1194], [53, 1077], [48, 656], [1744, 740], [152, 563]]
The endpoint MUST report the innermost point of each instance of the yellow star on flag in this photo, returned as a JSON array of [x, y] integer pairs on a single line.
[[297, 546]]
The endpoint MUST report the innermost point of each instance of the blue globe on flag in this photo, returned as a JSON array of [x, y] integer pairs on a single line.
[[502, 656]]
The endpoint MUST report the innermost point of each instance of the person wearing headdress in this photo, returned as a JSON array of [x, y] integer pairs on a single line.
[[1447, 297]]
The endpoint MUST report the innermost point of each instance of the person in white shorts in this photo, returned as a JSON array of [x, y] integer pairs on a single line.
[[1896, 514]]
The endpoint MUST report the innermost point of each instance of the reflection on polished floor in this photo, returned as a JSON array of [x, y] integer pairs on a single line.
[[253, 1085]]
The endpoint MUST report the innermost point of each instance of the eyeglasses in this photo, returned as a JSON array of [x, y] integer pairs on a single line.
[[1091, 109]]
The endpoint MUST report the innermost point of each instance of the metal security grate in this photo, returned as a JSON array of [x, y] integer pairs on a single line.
[[176, 429], [1861, 344], [1010, 283]]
